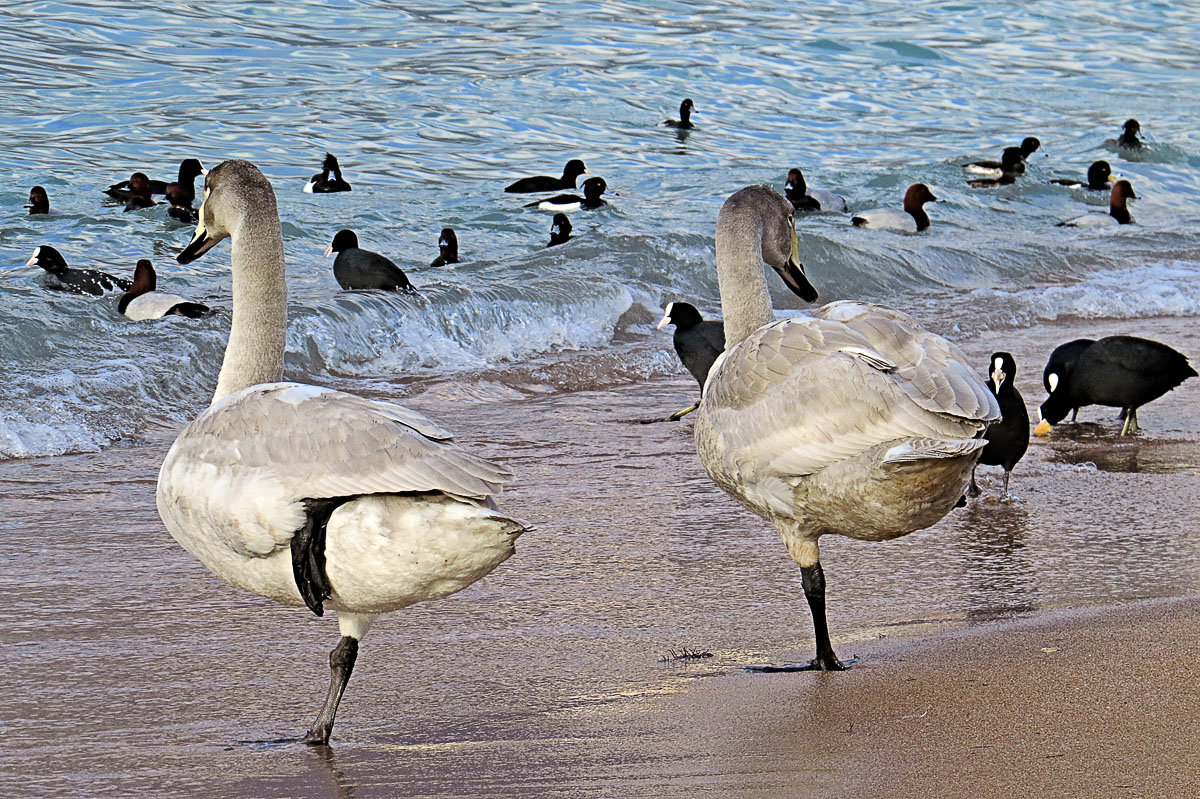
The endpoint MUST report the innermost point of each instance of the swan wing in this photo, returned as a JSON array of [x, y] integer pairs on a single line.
[[933, 371], [804, 393], [317, 442]]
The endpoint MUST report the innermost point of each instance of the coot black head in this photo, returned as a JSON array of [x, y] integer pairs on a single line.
[[447, 248], [1002, 370], [190, 169], [560, 230], [39, 201], [1030, 145], [343, 240], [681, 314], [573, 170], [49, 259]]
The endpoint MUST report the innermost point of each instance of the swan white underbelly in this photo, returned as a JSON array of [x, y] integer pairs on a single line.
[[383, 552]]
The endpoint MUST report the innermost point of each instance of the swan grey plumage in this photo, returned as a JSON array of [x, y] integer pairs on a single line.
[[311, 496], [853, 421]]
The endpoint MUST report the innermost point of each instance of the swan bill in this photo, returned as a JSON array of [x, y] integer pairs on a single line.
[[793, 274], [201, 241]]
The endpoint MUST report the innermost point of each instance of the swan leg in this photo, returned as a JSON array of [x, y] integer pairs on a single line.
[[813, 578], [341, 663], [974, 489]]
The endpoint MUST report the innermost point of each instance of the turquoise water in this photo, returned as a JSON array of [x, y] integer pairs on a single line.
[[433, 109]]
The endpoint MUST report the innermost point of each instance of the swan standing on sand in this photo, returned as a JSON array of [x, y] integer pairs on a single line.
[[854, 421], [310, 496]]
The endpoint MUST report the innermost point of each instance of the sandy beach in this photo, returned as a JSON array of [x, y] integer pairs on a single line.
[[134, 671]]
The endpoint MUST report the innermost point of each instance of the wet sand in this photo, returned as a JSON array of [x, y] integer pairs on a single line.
[[131, 670]]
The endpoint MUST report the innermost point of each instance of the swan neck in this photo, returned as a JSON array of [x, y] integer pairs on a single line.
[[257, 336], [745, 300]]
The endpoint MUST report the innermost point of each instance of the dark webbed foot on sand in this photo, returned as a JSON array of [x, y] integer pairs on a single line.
[[816, 664]]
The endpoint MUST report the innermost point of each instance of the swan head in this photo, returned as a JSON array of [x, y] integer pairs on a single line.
[[765, 207], [234, 191]]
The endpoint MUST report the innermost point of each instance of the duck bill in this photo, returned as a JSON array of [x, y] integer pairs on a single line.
[[1042, 429], [201, 242], [793, 274]]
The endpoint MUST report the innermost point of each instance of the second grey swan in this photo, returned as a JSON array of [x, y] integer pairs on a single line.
[[853, 421]]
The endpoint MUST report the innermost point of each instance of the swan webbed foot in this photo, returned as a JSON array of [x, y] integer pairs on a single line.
[[816, 664]]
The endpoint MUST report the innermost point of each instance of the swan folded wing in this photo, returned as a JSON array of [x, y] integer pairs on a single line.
[[802, 394], [318, 443], [936, 373]]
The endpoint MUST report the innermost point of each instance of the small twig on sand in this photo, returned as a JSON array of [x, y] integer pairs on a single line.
[[919, 715], [684, 654]]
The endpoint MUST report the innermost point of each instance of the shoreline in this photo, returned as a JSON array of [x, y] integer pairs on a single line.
[[543, 679]]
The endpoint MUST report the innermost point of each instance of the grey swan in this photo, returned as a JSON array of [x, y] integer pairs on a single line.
[[310, 496], [853, 421]]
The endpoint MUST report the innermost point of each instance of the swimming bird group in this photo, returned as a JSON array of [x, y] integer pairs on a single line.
[[852, 420]]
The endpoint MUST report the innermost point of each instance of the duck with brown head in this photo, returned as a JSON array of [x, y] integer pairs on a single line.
[[139, 193], [39, 201], [912, 219], [310, 496], [143, 301], [447, 248], [1118, 210]]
